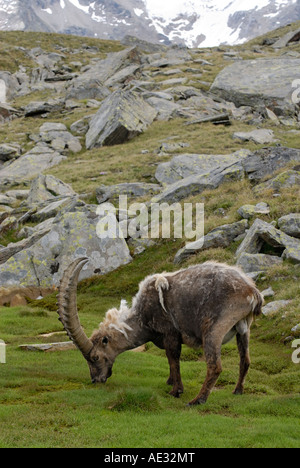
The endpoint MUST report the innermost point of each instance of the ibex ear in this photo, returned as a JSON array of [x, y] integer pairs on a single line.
[[105, 340]]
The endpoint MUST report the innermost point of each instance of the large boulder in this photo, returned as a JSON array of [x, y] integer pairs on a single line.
[[260, 136], [290, 224], [192, 174], [286, 179], [263, 82], [28, 166], [9, 152], [121, 117], [36, 108], [9, 86], [266, 161], [47, 187], [186, 165], [290, 37], [248, 211], [94, 82], [257, 263], [262, 235], [75, 235], [132, 190], [57, 137], [222, 236]]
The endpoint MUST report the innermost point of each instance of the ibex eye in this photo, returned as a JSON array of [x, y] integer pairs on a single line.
[[105, 340]]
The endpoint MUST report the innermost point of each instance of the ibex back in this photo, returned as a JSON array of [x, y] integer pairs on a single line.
[[204, 305]]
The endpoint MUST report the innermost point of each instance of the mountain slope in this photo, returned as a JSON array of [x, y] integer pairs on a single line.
[[190, 22]]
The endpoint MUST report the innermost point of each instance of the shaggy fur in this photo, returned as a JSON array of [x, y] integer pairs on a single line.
[[204, 305]]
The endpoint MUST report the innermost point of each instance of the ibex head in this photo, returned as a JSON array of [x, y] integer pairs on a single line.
[[106, 343]]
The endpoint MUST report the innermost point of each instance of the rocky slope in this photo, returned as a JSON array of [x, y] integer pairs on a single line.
[[69, 141], [193, 23]]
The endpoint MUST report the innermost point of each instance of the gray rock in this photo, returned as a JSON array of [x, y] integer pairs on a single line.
[[296, 328], [222, 236], [42, 107], [264, 82], [92, 84], [128, 73], [28, 166], [290, 224], [122, 116], [12, 85], [57, 136], [74, 236], [251, 263], [186, 165], [248, 211], [8, 113], [5, 200], [52, 127], [140, 245], [18, 194], [135, 189], [171, 147], [274, 307], [87, 88], [8, 152], [165, 108], [268, 160], [58, 206], [262, 233], [292, 36], [209, 175], [288, 178], [9, 223], [47, 347], [46, 187], [261, 136], [7, 252], [80, 127], [268, 293]]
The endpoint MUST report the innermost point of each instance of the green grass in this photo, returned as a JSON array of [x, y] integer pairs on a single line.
[[47, 400]]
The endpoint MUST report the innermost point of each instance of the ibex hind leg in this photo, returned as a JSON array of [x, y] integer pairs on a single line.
[[173, 352], [212, 350], [243, 346]]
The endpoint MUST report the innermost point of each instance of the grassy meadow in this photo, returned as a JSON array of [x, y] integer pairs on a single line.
[[47, 399]]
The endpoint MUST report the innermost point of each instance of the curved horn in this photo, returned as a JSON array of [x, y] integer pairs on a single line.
[[67, 307]]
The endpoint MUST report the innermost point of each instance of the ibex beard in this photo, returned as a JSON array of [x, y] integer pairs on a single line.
[[202, 306]]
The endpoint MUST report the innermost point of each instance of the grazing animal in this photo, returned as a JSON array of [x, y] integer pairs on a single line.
[[204, 305]]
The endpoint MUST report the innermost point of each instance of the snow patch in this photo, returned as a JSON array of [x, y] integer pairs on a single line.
[[48, 10], [138, 12], [208, 18], [78, 5]]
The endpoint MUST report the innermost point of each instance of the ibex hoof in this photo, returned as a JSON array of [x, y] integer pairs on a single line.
[[200, 401], [238, 391]]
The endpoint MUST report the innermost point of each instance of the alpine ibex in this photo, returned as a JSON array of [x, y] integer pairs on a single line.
[[204, 305]]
